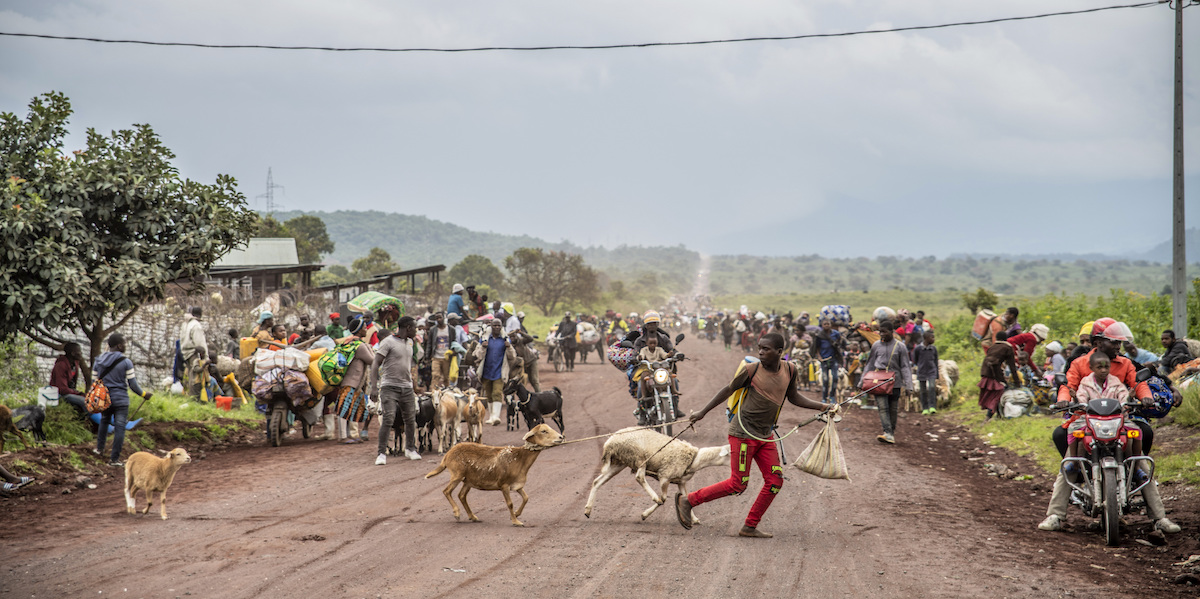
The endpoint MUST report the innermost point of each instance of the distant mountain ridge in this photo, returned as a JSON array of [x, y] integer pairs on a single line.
[[415, 241], [1161, 253]]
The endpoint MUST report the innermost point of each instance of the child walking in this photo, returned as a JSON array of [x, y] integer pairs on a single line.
[[925, 355]]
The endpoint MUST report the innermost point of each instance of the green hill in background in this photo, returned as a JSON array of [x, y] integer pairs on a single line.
[[416, 241], [814, 274]]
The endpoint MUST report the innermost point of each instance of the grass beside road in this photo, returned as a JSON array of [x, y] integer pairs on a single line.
[[1176, 460], [62, 427]]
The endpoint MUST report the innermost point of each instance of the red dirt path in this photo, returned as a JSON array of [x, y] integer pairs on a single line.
[[317, 519]]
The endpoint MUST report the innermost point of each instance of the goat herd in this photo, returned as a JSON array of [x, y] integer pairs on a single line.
[[443, 412], [645, 452]]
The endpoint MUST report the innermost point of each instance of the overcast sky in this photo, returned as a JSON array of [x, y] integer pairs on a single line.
[[1035, 136]]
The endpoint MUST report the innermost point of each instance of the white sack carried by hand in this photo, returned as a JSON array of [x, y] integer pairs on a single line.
[[823, 457]]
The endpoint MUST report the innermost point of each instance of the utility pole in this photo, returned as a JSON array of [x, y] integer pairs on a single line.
[[1179, 282], [269, 196]]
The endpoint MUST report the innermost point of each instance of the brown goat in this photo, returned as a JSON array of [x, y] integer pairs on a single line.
[[7, 426], [146, 472], [494, 469]]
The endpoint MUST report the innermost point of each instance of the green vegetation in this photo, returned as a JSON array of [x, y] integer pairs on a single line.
[[414, 241], [20, 380], [91, 236], [75, 461], [846, 276]]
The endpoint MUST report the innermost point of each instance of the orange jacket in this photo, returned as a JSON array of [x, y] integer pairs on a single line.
[[1122, 368]]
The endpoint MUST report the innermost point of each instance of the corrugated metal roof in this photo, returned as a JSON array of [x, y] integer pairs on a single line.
[[262, 251]]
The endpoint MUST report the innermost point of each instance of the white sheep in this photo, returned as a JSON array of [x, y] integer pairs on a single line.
[[677, 463], [146, 472], [947, 379]]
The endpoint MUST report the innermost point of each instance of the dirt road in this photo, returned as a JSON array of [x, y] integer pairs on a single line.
[[316, 519]]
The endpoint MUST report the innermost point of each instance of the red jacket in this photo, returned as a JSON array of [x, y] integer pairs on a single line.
[[1122, 368], [1026, 342], [63, 376]]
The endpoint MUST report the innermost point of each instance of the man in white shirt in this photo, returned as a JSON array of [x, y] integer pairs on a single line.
[[194, 347]]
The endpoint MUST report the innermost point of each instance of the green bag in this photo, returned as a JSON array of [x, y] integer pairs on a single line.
[[333, 363]]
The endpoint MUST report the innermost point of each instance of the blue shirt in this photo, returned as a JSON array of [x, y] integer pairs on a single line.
[[1143, 357], [825, 348], [493, 361], [454, 305]]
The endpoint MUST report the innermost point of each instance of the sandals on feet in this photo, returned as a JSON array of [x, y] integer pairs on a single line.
[[683, 511]]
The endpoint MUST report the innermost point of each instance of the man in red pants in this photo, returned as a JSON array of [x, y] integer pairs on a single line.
[[751, 436]]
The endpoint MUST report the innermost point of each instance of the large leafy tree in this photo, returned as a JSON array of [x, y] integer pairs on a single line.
[[546, 279], [376, 262], [88, 237], [312, 240], [477, 270]]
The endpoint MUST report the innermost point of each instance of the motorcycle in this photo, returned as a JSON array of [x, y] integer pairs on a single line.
[[279, 408], [660, 409], [1106, 476]]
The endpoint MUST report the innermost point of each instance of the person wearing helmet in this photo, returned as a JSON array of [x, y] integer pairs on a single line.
[[1107, 335], [1087, 338]]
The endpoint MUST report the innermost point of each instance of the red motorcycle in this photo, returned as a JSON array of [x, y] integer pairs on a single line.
[[1106, 475]]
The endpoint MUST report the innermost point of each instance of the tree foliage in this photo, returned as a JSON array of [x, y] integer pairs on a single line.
[[376, 262], [90, 236], [477, 270], [546, 279], [312, 240], [979, 300]]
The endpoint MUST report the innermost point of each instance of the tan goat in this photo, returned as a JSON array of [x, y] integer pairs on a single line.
[[445, 419], [475, 415], [494, 469], [145, 472]]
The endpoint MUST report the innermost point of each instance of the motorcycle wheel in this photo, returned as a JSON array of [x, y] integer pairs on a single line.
[[663, 409], [278, 424], [559, 362], [1111, 515]]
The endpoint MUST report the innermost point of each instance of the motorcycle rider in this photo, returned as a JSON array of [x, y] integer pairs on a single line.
[[566, 334], [650, 328], [1107, 336], [618, 327]]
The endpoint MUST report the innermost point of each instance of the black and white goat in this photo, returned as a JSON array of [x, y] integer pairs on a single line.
[[537, 407]]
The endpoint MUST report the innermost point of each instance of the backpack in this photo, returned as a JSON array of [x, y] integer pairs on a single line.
[[735, 400], [333, 363], [97, 399]]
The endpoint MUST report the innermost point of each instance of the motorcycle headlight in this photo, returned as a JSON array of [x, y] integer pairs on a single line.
[[1106, 429], [661, 376]]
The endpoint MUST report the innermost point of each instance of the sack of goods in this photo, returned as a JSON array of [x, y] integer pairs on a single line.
[[588, 337], [838, 315], [823, 457], [1015, 402], [621, 357], [288, 358], [883, 313], [282, 380]]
